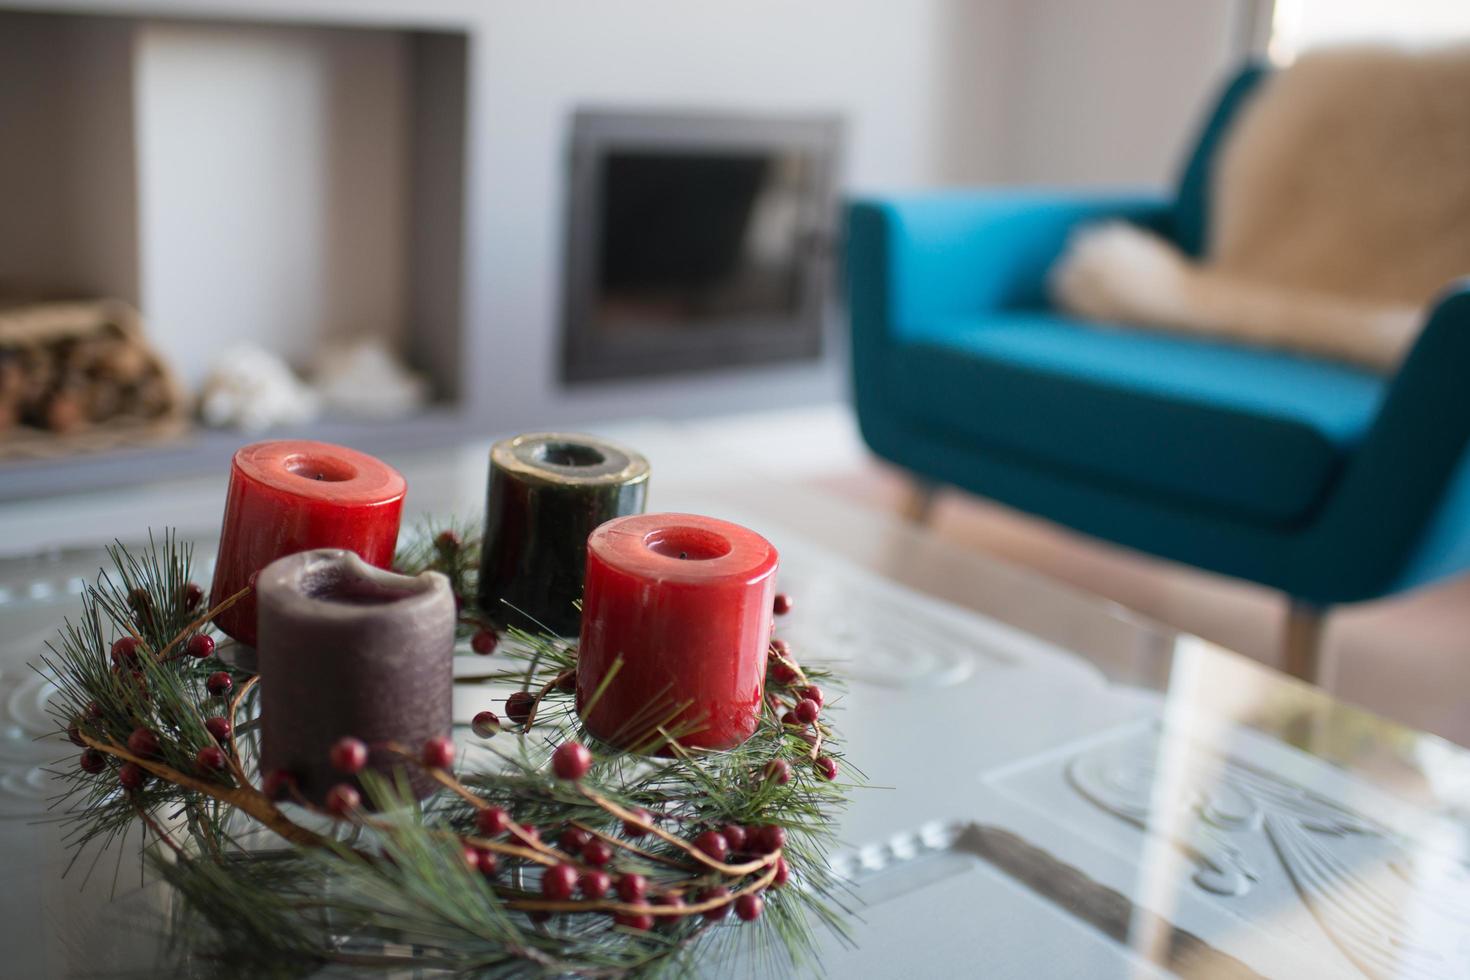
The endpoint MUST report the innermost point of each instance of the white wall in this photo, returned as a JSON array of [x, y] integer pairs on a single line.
[[1304, 24], [934, 92], [884, 66], [272, 183], [974, 102], [1113, 91]]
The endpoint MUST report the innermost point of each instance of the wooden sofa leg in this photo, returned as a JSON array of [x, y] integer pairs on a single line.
[[1302, 643], [919, 504]]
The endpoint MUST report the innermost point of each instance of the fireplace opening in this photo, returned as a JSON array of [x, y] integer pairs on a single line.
[[697, 241]]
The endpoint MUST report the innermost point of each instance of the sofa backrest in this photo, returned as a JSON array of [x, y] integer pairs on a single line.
[[1192, 203]]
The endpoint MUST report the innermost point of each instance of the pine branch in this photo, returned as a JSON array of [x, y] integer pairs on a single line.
[[356, 890]]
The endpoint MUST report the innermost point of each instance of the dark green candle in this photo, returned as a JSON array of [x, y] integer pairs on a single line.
[[549, 491]]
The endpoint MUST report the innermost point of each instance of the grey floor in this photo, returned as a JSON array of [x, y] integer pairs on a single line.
[[1407, 658]]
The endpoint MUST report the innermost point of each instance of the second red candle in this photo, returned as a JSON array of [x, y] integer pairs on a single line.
[[682, 605]]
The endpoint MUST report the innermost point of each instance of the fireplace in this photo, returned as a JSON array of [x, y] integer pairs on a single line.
[[696, 241]]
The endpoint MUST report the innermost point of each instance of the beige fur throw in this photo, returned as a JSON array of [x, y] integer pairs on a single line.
[[1340, 206]]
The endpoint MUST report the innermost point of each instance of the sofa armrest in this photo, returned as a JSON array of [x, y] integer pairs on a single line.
[[1405, 499], [913, 259]]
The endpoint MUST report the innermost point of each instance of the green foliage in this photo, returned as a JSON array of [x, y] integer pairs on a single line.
[[392, 889], [143, 596], [453, 550]]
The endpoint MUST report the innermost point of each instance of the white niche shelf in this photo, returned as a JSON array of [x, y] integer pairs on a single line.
[[285, 184]]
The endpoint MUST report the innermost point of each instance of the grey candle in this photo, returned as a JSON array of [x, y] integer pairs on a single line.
[[549, 491], [347, 649]]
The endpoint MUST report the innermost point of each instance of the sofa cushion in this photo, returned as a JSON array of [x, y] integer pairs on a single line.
[[1257, 433]]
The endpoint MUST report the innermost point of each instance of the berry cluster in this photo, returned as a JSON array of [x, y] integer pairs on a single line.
[[798, 702], [550, 846], [153, 750], [451, 555], [585, 870]]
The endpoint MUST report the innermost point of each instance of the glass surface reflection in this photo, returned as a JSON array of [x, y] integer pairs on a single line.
[[1140, 804]]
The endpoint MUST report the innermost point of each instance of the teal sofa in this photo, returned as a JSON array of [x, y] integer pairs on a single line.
[[1325, 481]]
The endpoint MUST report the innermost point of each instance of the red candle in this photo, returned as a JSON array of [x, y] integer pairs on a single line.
[[294, 495], [683, 605]]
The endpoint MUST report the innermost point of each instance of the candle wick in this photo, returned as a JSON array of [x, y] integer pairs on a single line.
[[683, 554]]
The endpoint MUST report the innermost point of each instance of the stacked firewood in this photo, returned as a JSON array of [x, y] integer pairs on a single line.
[[75, 367]]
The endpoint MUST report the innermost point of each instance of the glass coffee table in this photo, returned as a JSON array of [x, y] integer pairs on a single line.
[[1058, 787]]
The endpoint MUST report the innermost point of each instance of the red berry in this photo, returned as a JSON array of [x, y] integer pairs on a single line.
[[143, 742], [558, 882], [94, 710], [779, 770], [93, 761], [447, 540], [219, 683], [632, 887], [219, 727], [783, 873], [528, 834], [210, 758], [484, 641], [597, 853], [734, 836], [193, 595], [518, 706], [438, 752], [489, 862], [594, 884], [570, 761], [280, 784], [764, 840], [669, 900], [713, 844], [348, 755], [492, 821], [784, 671], [125, 651], [343, 799], [780, 648], [711, 894], [131, 776], [781, 606], [471, 857], [806, 711], [485, 724], [642, 921], [139, 681], [200, 645], [74, 735], [813, 693], [573, 839], [638, 827], [827, 767], [749, 906]]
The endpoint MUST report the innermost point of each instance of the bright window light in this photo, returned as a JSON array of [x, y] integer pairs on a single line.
[[1297, 25]]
